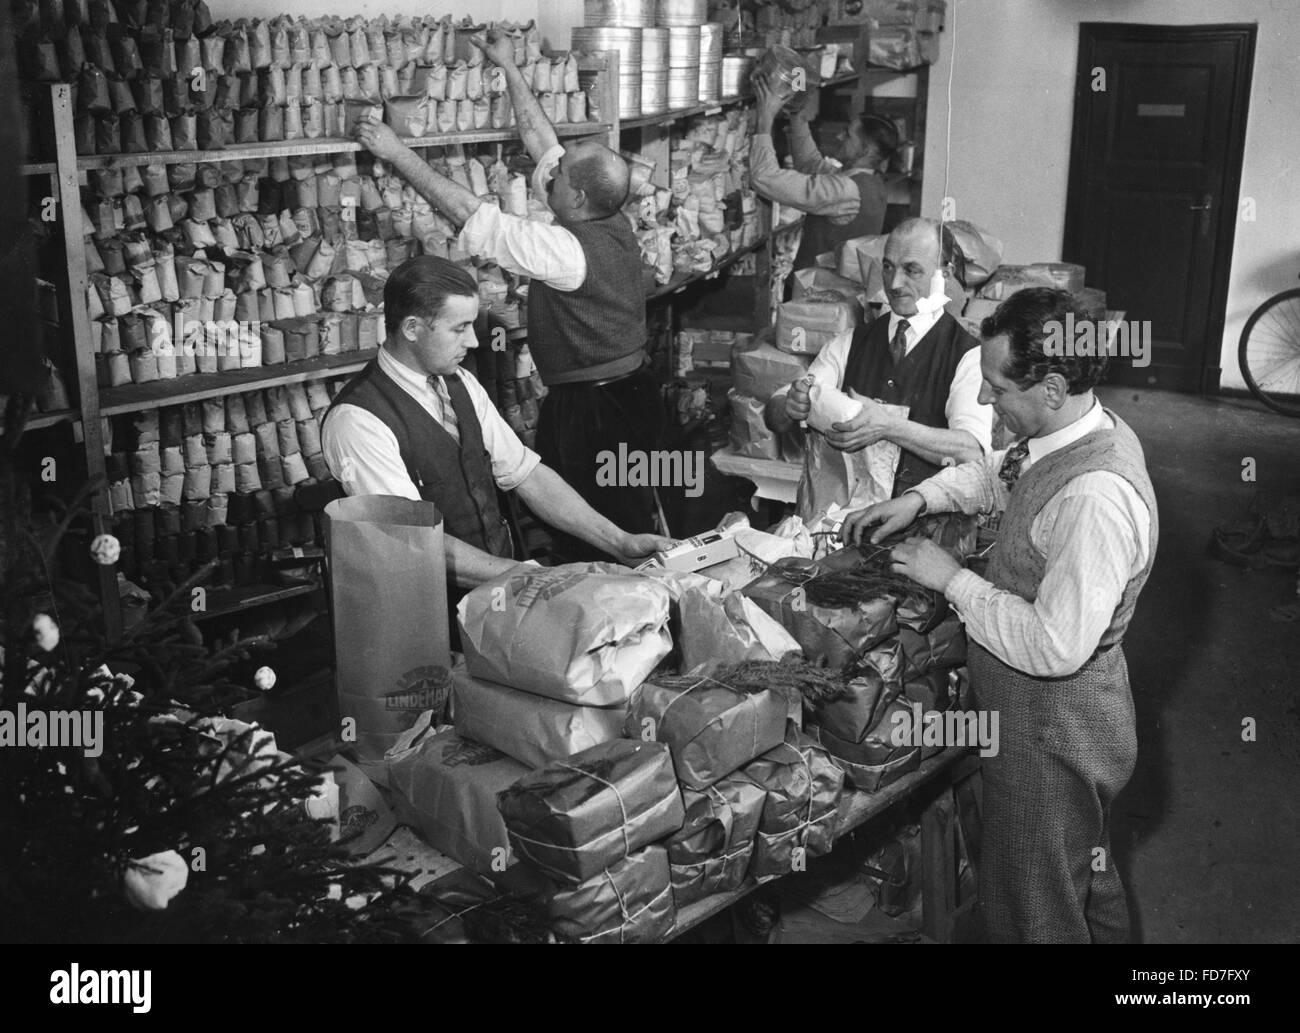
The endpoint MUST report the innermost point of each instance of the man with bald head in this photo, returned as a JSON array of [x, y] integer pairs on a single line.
[[586, 302], [919, 356]]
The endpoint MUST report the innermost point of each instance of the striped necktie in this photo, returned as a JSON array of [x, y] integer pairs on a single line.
[[1012, 462], [438, 385], [898, 346]]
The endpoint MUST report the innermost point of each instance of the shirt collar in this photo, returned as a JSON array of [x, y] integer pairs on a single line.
[[403, 374], [1094, 419], [917, 326]]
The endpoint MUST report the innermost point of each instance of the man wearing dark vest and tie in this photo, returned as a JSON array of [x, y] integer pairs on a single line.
[[915, 355], [586, 301], [415, 425], [1075, 546]]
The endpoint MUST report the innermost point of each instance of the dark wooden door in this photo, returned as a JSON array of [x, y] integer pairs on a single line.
[[1159, 128]]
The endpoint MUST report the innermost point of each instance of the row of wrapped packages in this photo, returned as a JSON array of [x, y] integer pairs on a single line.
[[625, 790], [143, 83], [216, 479], [707, 211]]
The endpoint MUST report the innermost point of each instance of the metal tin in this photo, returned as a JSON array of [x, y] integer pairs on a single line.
[[629, 96], [683, 87], [626, 41], [654, 49], [654, 92], [789, 74], [710, 82], [618, 13], [684, 46], [736, 70], [681, 12], [711, 41]]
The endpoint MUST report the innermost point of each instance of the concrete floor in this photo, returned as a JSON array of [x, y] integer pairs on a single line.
[[1207, 834]]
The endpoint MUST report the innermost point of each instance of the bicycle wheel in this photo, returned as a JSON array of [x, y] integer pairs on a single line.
[[1269, 353]]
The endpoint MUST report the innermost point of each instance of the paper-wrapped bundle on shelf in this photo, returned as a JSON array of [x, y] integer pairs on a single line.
[[875, 682], [728, 629], [1012, 278], [750, 434], [446, 786], [711, 728], [712, 851], [805, 327], [811, 283], [981, 252], [883, 755], [835, 630], [631, 901], [532, 729], [942, 647], [803, 788], [576, 818], [585, 633], [762, 370]]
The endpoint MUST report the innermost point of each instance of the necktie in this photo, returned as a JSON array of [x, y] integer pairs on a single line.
[[449, 422], [898, 346], [1012, 462]]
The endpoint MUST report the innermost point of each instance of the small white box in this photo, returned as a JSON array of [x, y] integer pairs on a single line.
[[704, 551]]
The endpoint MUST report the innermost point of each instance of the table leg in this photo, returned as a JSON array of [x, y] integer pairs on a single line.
[[938, 867]]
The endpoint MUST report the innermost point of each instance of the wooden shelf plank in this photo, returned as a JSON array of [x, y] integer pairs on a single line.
[[37, 420], [197, 386], [298, 148], [676, 114], [222, 602]]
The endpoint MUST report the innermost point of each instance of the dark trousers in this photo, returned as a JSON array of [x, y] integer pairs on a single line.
[[580, 421], [1067, 746]]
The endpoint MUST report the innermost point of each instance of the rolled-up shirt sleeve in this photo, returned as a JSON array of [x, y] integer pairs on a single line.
[[526, 248], [828, 193], [363, 455], [963, 410]]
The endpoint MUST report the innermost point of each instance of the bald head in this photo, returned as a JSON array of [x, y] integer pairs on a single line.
[[600, 174]]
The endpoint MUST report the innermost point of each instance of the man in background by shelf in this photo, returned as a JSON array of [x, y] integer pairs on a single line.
[[843, 200], [1075, 546], [586, 299], [415, 425], [919, 356]]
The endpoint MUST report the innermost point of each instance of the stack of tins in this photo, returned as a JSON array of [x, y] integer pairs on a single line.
[[682, 19], [736, 72], [654, 71], [710, 62], [617, 25]]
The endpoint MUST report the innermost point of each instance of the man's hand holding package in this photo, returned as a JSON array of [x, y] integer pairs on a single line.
[[797, 403], [498, 48], [380, 140], [874, 423], [924, 562], [636, 548], [892, 516]]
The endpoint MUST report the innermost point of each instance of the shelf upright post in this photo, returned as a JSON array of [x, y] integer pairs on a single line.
[[92, 432]]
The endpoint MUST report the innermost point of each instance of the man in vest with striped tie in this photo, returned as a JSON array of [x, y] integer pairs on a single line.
[[415, 425], [1075, 546], [586, 299], [917, 355]]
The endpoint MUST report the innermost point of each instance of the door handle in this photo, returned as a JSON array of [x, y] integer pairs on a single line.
[[1202, 207], [1204, 220]]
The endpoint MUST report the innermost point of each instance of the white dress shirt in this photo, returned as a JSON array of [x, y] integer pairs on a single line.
[[526, 247], [962, 410], [362, 453], [1095, 535]]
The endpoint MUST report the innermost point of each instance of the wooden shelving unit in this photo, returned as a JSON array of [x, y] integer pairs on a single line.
[[92, 403]]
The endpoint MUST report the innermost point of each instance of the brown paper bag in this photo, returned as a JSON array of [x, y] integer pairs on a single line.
[[390, 613]]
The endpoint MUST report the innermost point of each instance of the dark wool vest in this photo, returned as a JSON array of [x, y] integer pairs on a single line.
[[821, 235], [598, 331], [457, 478], [921, 381], [1016, 566]]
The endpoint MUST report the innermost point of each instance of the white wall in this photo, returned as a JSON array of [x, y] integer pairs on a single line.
[[1011, 121]]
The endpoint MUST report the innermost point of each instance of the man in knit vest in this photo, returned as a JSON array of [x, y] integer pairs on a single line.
[[415, 425], [919, 356], [1075, 546], [586, 299]]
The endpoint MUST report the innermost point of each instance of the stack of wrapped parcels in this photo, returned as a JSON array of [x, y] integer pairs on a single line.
[[586, 776]]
